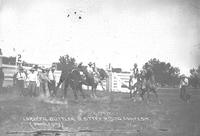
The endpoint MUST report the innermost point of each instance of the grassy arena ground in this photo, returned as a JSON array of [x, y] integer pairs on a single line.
[[110, 111]]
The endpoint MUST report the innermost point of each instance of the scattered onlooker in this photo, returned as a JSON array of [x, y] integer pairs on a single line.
[[1, 78], [43, 78], [52, 82], [21, 77], [183, 85], [32, 79]]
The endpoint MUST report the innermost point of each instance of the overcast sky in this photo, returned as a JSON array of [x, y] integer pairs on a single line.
[[120, 32]]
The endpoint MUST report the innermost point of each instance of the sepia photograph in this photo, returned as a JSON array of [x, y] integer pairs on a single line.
[[99, 67]]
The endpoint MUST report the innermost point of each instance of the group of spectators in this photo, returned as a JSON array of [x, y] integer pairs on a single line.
[[38, 81]]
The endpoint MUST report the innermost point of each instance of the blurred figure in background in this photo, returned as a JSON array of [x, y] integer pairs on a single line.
[[183, 85], [1, 78], [52, 82]]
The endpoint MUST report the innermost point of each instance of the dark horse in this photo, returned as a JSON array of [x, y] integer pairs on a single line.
[[93, 80], [74, 79]]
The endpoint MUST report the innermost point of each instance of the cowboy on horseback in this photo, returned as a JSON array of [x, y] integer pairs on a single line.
[[93, 72], [90, 69]]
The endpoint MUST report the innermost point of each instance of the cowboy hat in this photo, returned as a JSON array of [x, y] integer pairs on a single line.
[[90, 63], [183, 76]]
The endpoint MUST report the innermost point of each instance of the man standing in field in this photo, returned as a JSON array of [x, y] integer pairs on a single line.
[[1, 78], [21, 77], [32, 79], [183, 85], [52, 82], [44, 79]]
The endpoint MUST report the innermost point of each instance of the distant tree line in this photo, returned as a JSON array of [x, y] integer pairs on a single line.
[[165, 73], [66, 63], [195, 77]]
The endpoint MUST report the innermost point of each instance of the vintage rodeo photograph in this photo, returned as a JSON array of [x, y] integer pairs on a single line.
[[99, 67]]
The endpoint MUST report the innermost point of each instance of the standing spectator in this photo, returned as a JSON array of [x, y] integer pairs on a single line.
[[21, 77], [32, 79], [1, 78], [135, 71], [43, 78], [52, 82], [183, 85], [37, 81]]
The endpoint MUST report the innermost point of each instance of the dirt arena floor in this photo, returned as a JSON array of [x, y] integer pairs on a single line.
[[111, 114]]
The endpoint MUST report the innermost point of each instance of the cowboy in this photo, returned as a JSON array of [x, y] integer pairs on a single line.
[[90, 70], [183, 85], [21, 77], [43, 78], [135, 71], [95, 72], [1, 78], [32, 79], [52, 82]]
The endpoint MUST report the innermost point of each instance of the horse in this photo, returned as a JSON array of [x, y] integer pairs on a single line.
[[74, 79]]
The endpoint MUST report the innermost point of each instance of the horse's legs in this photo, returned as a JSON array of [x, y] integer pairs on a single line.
[[102, 85], [92, 92], [148, 94], [95, 90], [66, 84], [59, 83], [130, 92], [74, 88], [142, 94], [94, 87], [81, 90], [155, 92], [135, 90]]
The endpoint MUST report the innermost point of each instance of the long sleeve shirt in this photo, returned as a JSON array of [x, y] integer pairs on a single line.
[[21, 76], [51, 75], [33, 76]]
